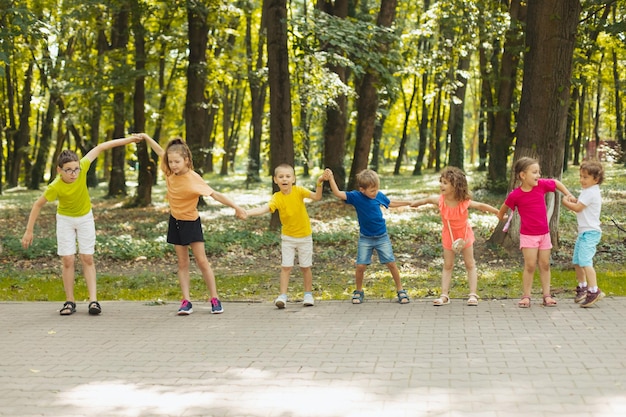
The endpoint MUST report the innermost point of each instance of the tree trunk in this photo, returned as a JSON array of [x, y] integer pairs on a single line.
[[195, 103], [550, 40], [336, 117], [22, 135], [502, 136], [281, 129], [457, 116], [408, 109], [119, 40], [367, 103], [258, 92], [147, 168], [619, 129]]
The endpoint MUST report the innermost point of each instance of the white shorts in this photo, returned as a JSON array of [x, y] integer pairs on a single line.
[[72, 229], [304, 246]]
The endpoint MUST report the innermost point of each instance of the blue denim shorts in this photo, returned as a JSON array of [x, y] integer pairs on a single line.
[[367, 244], [585, 248]]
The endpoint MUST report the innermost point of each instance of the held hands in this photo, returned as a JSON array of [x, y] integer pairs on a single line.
[[241, 213], [569, 199]]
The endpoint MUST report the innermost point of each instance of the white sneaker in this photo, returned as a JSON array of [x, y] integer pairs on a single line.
[[281, 301], [308, 300]]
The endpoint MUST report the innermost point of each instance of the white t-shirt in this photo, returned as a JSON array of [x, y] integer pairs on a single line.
[[589, 217]]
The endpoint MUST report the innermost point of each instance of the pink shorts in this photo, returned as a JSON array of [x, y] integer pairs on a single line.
[[540, 242]]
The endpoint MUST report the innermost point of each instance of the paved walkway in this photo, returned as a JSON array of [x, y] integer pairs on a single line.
[[331, 360]]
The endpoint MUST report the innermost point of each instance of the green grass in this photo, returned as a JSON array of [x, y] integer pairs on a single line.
[[135, 263]]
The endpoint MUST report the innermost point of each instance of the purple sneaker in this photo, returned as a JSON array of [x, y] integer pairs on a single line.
[[592, 298], [581, 294]]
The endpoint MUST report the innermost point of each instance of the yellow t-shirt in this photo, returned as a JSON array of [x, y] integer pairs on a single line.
[[74, 200], [183, 192], [292, 211]]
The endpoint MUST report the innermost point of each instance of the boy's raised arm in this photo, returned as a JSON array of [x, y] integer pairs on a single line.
[[333, 185], [93, 154]]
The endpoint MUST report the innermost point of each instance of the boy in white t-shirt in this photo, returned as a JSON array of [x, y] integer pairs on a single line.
[[587, 209]]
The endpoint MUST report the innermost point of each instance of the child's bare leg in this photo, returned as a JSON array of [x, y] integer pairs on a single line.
[[470, 267], [205, 267], [446, 272], [590, 274], [530, 263], [359, 273], [544, 271], [68, 276], [395, 274], [182, 254], [307, 274], [285, 273], [580, 275], [89, 270]]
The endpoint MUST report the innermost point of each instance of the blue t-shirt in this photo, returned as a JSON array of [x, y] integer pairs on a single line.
[[369, 213]]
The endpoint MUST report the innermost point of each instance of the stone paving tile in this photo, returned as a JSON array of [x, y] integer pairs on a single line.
[[331, 360]]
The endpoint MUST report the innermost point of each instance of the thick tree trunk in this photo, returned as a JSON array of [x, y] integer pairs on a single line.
[[195, 102], [147, 168], [336, 117], [119, 40], [457, 117], [367, 103], [550, 40], [501, 136], [281, 129]]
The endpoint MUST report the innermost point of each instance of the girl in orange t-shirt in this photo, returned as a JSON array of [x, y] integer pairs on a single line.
[[454, 202], [184, 188]]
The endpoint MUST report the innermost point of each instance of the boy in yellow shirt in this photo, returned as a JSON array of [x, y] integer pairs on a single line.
[[296, 233]]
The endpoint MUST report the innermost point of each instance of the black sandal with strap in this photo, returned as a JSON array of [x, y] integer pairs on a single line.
[[69, 308], [403, 298], [94, 308]]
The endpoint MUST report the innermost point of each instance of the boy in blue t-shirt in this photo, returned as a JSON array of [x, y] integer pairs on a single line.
[[373, 230]]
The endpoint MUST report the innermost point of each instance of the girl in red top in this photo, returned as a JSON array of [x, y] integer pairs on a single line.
[[535, 243], [454, 202], [184, 188]]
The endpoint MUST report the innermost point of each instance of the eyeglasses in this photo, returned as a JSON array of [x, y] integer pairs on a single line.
[[72, 171]]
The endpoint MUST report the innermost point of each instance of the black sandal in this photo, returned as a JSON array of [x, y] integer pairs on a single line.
[[94, 308], [69, 308]]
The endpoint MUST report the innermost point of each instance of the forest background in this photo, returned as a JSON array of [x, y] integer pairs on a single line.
[[404, 88]]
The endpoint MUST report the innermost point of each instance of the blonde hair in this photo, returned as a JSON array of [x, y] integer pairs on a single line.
[[456, 177], [367, 178], [180, 147], [284, 166]]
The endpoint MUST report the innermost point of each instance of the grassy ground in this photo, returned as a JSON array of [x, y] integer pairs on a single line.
[[135, 263]]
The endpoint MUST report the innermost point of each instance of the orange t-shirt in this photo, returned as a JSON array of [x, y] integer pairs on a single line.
[[183, 192]]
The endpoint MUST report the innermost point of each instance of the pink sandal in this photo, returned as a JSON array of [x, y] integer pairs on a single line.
[[522, 302], [549, 301]]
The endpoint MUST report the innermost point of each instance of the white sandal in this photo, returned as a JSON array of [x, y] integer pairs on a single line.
[[442, 300], [472, 300]]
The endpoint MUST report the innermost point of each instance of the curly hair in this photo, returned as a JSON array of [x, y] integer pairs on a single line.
[[456, 177], [179, 146], [594, 168]]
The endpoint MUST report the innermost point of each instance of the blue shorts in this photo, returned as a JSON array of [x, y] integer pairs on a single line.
[[585, 248], [367, 244]]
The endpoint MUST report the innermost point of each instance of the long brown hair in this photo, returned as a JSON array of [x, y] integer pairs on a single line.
[[179, 146]]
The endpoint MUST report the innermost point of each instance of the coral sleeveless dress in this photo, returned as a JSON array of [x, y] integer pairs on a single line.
[[457, 216]]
